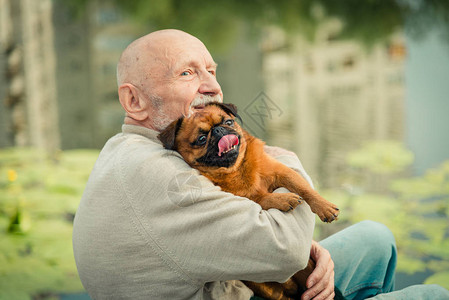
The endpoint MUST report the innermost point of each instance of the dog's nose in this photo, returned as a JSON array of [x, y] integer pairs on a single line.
[[218, 130]]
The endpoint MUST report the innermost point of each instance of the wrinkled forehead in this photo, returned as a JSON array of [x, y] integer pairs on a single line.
[[175, 52]]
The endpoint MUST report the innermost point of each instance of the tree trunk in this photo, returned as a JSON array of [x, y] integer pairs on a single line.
[[28, 89], [40, 79]]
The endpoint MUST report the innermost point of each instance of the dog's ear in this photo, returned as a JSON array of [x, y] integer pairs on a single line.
[[168, 135], [230, 109]]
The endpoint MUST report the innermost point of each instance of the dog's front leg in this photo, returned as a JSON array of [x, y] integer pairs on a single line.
[[281, 201], [295, 183]]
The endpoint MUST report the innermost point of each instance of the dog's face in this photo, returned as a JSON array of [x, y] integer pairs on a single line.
[[209, 139]]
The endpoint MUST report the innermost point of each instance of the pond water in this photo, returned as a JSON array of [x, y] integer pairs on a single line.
[[427, 100]]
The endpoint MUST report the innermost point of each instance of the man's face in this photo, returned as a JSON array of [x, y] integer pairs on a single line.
[[179, 72]]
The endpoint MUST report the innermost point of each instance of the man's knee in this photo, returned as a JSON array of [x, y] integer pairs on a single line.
[[378, 239], [366, 238], [377, 232]]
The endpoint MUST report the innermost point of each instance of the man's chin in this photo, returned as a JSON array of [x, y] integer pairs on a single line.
[[194, 109], [197, 108]]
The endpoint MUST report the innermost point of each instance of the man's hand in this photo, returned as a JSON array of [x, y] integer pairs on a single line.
[[320, 284]]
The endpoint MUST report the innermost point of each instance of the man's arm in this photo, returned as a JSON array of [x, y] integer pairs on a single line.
[[211, 235]]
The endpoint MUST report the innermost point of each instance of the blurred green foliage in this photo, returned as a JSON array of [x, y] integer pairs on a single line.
[[416, 209], [38, 199], [216, 22], [381, 157]]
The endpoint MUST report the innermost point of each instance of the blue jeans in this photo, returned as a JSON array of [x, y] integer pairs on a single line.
[[365, 260], [364, 255]]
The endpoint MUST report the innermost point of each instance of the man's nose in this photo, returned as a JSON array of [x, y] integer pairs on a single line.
[[209, 85]]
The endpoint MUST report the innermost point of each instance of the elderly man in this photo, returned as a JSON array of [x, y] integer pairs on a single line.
[[150, 227]]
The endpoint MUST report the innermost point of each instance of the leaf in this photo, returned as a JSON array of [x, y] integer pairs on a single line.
[[441, 278], [410, 265], [381, 157], [40, 259]]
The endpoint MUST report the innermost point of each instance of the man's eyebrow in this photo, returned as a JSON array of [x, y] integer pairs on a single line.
[[195, 63], [181, 65]]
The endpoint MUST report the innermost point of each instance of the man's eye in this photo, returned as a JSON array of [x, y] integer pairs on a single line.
[[212, 72], [201, 140], [185, 73], [229, 122]]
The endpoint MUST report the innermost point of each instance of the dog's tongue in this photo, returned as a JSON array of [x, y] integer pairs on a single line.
[[226, 143]]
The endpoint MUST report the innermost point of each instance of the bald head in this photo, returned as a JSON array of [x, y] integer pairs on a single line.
[[137, 60]]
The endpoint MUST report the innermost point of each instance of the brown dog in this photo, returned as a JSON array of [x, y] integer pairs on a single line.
[[212, 142]]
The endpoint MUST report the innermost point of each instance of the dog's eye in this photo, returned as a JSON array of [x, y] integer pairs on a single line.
[[201, 140], [229, 122]]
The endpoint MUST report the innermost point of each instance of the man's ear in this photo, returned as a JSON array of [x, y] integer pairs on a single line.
[[168, 135], [135, 106]]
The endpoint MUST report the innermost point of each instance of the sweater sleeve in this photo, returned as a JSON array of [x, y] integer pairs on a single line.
[[205, 234]]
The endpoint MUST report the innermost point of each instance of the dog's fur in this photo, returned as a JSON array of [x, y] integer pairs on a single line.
[[240, 166]]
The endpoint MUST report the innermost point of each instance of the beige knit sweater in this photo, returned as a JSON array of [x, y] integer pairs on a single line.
[[150, 227]]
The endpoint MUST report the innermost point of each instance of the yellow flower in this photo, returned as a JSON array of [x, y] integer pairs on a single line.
[[12, 175]]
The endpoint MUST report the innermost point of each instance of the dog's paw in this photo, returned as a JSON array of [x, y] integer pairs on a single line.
[[328, 212], [281, 201], [288, 201]]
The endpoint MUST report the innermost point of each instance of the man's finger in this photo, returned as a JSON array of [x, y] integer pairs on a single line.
[[320, 272], [328, 292], [325, 295], [317, 274], [325, 286]]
